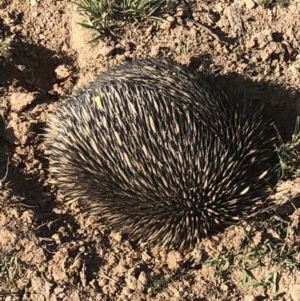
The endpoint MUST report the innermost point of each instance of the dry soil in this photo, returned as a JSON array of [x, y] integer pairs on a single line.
[[52, 251]]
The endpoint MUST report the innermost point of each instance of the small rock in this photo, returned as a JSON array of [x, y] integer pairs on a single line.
[[131, 282], [173, 259], [146, 257], [249, 298], [106, 50], [19, 101], [8, 240], [224, 287], [154, 50], [249, 4], [21, 67], [143, 278], [18, 132], [62, 72], [56, 237], [59, 290], [27, 217], [57, 89], [170, 19], [116, 236], [142, 281]]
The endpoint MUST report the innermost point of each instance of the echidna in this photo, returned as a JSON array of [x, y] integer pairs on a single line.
[[162, 153]]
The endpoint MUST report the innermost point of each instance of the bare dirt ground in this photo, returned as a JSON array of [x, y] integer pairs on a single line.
[[51, 251]]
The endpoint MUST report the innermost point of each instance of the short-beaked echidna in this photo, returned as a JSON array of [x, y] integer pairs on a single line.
[[161, 152]]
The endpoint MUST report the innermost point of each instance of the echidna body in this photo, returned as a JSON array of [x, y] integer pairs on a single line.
[[165, 157]]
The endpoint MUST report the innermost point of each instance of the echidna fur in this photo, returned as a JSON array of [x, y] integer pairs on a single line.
[[165, 157]]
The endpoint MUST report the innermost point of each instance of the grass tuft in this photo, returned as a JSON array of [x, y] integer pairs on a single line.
[[10, 268], [272, 3], [101, 16], [272, 249], [289, 154], [5, 47]]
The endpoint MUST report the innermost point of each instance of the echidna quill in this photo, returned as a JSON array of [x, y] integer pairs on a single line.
[[161, 152]]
